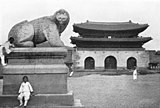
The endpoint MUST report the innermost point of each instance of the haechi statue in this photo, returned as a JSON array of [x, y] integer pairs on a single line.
[[48, 28]]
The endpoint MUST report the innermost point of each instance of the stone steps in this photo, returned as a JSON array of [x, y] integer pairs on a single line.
[[44, 106], [42, 101]]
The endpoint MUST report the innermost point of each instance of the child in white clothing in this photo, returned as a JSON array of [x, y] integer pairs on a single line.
[[25, 91], [5, 49]]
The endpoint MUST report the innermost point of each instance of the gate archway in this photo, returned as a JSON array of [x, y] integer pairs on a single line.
[[131, 63], [110, 63], [89, 63]]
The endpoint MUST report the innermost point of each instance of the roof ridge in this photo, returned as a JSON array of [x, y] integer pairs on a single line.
[[110, 23]]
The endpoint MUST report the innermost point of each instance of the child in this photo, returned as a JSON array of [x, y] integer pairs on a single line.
[[25, 91], [5, 48]]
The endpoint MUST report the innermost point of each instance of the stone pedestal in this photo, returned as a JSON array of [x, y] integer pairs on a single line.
[[47, 74]]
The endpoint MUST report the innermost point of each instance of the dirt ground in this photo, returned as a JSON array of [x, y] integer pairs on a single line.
[[102, 91]]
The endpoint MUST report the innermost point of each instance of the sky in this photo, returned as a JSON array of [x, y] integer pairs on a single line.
[[138, 11]]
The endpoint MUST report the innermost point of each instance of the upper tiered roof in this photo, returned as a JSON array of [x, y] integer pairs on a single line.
[[115, 29], [110, 42]]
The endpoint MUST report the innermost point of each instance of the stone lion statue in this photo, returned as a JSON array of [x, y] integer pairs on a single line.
[[49, 28]]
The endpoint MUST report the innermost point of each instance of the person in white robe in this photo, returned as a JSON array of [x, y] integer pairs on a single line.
[[5, 49], [135, 73], [25, 91]]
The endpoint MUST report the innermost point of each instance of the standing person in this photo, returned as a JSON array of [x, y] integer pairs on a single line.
[[25, 91], [71, 71], [135, 73], [5, 49]]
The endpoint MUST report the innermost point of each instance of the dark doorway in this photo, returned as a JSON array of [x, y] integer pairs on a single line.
[[131, 62], [110, 63], [89, 63]]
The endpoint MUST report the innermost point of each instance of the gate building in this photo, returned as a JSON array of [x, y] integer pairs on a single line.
[[110, 45]]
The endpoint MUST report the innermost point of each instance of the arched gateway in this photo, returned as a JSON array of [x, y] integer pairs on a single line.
[[100, 39], [131, 62], [110, 63], [89, 63]]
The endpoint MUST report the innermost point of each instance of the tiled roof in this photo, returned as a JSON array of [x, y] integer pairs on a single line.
[[110, 26]]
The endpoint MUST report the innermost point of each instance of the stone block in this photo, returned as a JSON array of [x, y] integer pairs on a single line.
[[39, 99], [41, 83], [44, 66]]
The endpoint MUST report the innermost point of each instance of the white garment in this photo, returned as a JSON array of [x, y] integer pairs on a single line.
[[71, 73], [25, 87], [3, 60], [1, 50], [25, 90], [135, 74], [2, 55], [7, 46]]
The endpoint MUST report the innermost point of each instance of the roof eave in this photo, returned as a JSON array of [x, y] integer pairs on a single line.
[[78, 29]]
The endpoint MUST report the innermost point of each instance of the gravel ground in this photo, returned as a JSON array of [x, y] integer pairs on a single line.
[[100, 91]]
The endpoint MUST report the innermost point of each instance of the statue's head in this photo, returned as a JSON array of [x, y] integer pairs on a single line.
[[61, 18]]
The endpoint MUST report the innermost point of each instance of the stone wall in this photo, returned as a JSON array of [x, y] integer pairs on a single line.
[[121, 56], [154, 56]]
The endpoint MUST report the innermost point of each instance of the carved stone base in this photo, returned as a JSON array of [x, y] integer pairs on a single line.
[[47, 74]]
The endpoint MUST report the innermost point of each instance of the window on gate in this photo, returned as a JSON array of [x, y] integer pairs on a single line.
[[131, 63], [89, 63]]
